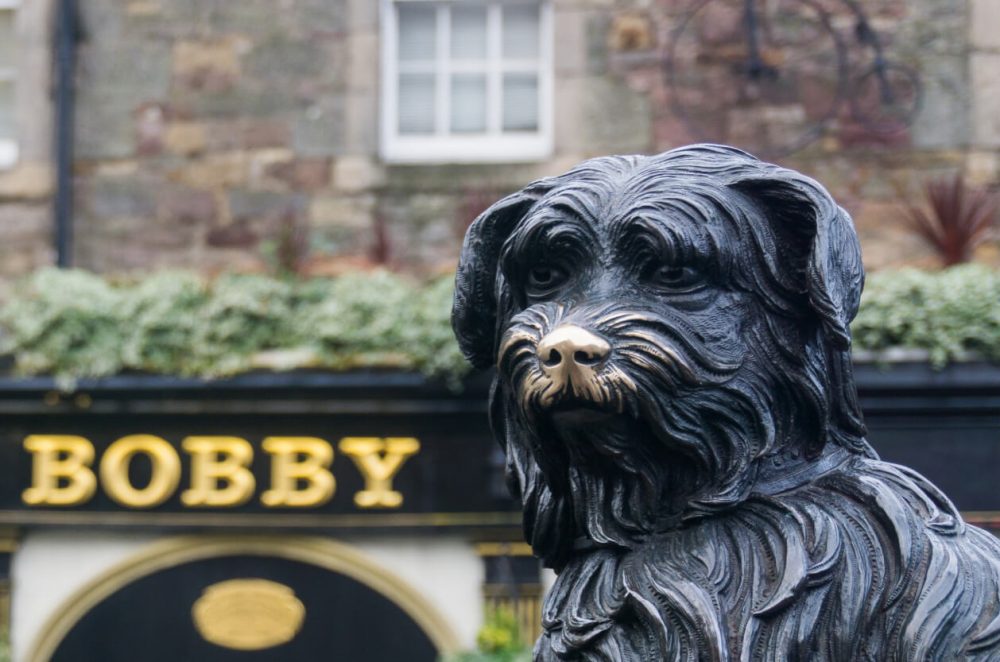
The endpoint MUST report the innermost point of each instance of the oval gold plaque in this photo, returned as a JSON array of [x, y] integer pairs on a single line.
[[248, 614]]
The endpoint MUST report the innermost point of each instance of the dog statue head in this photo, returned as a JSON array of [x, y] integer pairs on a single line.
[[671, 335]]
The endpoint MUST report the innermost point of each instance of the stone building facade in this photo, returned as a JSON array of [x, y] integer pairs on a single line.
[[250, 135]]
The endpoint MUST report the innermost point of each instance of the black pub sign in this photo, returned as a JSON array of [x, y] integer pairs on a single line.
[[286, 483], [368, 451], [316, 451]]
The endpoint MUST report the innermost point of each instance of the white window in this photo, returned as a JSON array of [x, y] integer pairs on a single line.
[[8, 80], [466, 81]]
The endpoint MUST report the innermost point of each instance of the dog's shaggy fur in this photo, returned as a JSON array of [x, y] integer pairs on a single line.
[[705, 491]]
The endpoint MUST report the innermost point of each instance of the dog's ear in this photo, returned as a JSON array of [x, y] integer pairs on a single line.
[[474, 310], [803, 212]]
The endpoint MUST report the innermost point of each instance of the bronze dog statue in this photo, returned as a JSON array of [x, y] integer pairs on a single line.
[[675, 397]]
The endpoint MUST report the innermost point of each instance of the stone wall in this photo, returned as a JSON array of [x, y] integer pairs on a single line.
[[26, 189], [218, 135], [951, 44], [226, 135]]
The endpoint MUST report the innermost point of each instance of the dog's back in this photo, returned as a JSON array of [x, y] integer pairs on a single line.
[[869, 562]]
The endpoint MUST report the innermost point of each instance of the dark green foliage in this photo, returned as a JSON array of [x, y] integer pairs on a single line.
[[949, 313], [499, 640], [74, 324]]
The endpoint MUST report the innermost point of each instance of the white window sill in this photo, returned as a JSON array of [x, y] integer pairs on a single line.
[[452, 149]]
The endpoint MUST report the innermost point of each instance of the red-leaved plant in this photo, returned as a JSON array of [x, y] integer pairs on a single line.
[[956, 219]]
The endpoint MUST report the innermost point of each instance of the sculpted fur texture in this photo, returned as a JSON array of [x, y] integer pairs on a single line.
[[675, 398]]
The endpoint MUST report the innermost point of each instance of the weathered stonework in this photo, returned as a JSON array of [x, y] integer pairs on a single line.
[[204, 128], [986, 84], [27, 235]]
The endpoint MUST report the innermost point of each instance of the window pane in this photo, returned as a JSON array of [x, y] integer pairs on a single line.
[[416, 103], [7, 129], [417, 32], [468, 33], [468, 103], [520, 102], [520, 31]]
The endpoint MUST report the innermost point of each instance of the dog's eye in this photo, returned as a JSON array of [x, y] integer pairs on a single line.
[[673, 276], [543, 279]]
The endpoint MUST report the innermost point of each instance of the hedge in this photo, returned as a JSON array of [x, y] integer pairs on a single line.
[[74, 324], [950, 314]]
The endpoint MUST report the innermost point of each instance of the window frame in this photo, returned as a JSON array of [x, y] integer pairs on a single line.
[[495, 146], [10, 147]]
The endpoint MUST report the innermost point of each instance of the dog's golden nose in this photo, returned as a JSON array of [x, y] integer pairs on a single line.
[[569, 346]]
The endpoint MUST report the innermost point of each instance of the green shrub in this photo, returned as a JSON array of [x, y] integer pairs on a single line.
[[162, 315], [73, 324], [499, 640], [242, 315], [948, 313], [65, 323]]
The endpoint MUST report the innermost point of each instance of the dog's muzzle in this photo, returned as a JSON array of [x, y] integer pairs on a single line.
[[571, 357]]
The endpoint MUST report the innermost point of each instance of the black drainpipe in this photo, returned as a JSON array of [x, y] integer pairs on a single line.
[[65, 92]]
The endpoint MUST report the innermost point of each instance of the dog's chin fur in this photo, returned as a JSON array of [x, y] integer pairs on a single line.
[[623, 505], [667, 432], [625, 476], [707, 493]]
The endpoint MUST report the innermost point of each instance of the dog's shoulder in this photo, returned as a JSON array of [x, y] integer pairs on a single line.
[[870, 548], [941, 593]]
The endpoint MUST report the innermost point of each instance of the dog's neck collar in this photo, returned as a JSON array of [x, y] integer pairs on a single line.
[[783, 472]]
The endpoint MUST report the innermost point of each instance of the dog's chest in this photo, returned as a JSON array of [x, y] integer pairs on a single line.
[[766, 583]]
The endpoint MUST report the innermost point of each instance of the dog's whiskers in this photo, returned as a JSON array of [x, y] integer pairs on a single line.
[[712, 366], [535, 389], [619, 319], [515, 337], [654, 346]]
